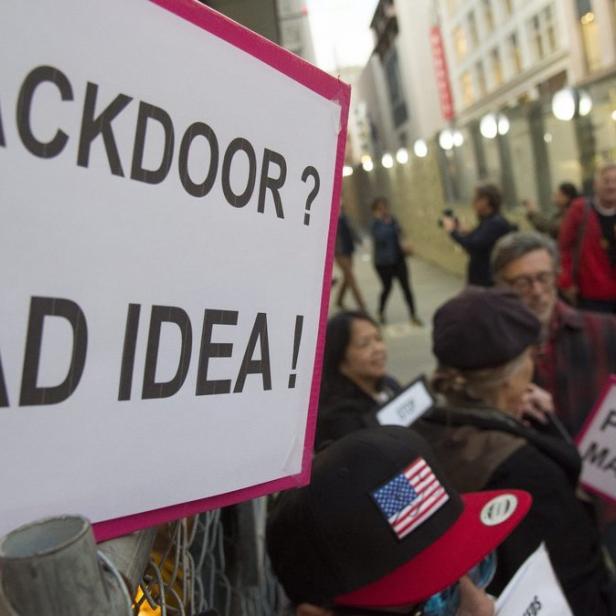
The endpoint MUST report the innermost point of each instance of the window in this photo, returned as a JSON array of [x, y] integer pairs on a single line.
[[472, 29], [452, 6], [466, 87], [590, 37], [549, 28], [542, 33], [481, 78], [497, 69], [507, 7], [536, 38], [459, 42], [488, 15], [394, 85], [515, 57]]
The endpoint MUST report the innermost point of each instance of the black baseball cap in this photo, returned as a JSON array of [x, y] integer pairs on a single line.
[[379, 525], [483, 328]]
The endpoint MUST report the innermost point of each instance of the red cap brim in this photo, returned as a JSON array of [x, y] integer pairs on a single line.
[[446, 560]]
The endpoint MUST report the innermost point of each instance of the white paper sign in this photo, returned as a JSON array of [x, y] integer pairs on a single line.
[[169, 186], [534, 590], [597, 446], [408, 406]]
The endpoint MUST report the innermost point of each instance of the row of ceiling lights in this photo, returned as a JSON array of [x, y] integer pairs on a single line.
[[566, 103]]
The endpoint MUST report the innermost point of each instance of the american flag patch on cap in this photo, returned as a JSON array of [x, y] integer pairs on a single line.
[[410, 498]]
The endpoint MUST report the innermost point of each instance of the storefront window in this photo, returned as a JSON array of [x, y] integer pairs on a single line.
[[497, 69], [515, 57], [459, 42], [466, 87]]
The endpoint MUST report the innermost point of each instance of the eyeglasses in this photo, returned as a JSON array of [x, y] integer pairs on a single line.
[[444, 603], [525, 283]]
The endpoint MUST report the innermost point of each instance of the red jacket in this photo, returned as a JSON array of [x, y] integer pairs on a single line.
[[596, 277]]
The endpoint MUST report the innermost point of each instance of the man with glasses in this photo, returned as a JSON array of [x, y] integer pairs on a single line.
[[380, 531], [577, 352]]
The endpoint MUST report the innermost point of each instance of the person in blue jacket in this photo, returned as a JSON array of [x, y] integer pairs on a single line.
[[478, 242], [390, 252]]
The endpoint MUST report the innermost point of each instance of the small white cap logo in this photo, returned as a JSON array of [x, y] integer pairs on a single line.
[[499, 509]]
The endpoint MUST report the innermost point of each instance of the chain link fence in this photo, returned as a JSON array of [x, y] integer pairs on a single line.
[[212, 564]]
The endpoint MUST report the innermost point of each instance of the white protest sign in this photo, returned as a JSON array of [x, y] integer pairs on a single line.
[[169, 189], [597, 445], [534, 590], [408, 406]]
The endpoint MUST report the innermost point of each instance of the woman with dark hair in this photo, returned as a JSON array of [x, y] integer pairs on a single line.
[[355, 382], [549, 222], [483, 341], [390, 252]]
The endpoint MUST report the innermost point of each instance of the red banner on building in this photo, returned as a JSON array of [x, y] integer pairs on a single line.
[[442, 72]]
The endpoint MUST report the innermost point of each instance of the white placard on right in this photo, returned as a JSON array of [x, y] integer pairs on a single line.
[[533, 590]]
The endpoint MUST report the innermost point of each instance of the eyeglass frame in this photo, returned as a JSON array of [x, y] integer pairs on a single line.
[[525, 282]]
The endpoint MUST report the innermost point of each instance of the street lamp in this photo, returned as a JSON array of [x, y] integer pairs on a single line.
[[402, 156], [494, 124], [488, 126], [568, 102], [445, 139], [387, 161], [420, 147], [366, 163]]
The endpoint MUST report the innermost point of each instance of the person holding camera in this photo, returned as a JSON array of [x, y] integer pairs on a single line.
[[478, 242]]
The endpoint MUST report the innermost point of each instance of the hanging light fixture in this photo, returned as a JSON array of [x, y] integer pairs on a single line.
[[458, 138], [488, 126], [445, 139], [402, 156], [367, 164], [387, 161], [420, 148], [568, 102]]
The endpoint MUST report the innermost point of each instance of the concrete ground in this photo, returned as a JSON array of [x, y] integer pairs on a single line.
[[409, 347]]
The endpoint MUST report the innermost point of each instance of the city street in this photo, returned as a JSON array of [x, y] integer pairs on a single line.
[[409, 347]]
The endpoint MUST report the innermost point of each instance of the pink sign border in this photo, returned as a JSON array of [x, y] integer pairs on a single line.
[[332, 89], [611, 382]]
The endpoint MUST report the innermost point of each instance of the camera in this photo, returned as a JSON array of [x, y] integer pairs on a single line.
[[447, 213]]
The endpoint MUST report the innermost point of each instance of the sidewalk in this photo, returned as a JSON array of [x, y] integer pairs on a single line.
[[409, 347]]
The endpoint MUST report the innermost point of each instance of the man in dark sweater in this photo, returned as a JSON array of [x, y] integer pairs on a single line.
[[479, 241]]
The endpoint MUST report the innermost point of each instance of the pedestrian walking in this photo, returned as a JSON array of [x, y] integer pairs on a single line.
[[390, 253], [345, 247]]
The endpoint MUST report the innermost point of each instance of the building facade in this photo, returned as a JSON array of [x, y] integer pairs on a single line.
[[518, 92], [284, 22]]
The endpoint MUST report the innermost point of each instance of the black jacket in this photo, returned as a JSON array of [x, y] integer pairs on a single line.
[[483, 449], [344, 407], [478, 243]]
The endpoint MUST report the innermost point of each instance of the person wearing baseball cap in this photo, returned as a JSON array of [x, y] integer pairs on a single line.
[[380, 530], [483, 341]]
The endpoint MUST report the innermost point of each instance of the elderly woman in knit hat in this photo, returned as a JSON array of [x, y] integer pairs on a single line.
[[482, 340]]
